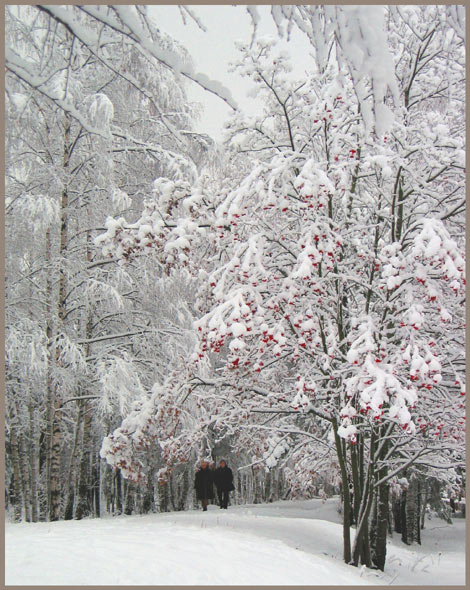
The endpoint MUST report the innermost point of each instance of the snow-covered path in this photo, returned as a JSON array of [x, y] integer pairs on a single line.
[[282, 543]]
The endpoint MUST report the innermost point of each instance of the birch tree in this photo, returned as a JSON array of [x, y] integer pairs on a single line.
[[68, 166]]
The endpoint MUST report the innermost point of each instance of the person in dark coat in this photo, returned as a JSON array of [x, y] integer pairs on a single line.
[[223, 479], [204, 484]]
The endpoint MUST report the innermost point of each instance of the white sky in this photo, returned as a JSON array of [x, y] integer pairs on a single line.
[[213, 50]]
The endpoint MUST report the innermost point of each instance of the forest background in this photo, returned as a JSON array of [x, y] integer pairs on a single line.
[[290, 299]]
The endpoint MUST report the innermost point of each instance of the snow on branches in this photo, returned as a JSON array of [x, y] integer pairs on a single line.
[[157, 227], [333, 267]]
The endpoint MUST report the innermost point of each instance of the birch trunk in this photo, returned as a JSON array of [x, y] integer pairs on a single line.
[[34, 462], [84, 501], [72, 471], [56, 438], [18, 499], [23, 465], [49, 376]]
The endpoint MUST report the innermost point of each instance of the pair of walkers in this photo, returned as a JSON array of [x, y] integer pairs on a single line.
[[205, 479]]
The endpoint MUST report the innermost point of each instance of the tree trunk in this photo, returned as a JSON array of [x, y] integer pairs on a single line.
[[106, 486], [411, 512], [418, 513], [346, 500], [382, 505], [34, 462], [118, 492], [396, 510], [184, 488], [403, 521], [55, 462], [56, 442], [423, 503], [163, 496], [361, 547], [267, 488], [129, 504], [171, 493], [357, 487], [379, 551], [25, 479], [72, 475], [84, 505], [17, 500], [148, 499], [97, 487], [373, 527], [258, 492], [85, 487], [24, 474], [49, 374]]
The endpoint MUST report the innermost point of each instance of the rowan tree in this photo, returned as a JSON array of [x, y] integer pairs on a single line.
[[337, 271]]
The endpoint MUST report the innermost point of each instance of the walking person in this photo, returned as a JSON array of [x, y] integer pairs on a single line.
[[223, 479], [204, 485]]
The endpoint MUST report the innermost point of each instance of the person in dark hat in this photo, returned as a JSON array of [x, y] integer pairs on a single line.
[[204, 484], [223, 479]]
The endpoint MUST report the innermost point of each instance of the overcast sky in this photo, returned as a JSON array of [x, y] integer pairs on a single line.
[[213, 50]]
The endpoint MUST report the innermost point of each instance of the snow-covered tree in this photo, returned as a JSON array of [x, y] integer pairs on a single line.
[[83, 333], [331, 328]]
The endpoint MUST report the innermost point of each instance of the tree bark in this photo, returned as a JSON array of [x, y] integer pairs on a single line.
[[382, 504], [379, 551], [346, 501], [403, 521], [84, 499], [118, 492], [129, 504], [34, 462], [17, 501], [163, 496], [97, 486], [24, 475], [72, 475], [361, 547], [49, 373], [56, 442], [411, 512]]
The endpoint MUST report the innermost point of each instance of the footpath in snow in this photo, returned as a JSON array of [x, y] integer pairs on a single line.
[[284, 543]]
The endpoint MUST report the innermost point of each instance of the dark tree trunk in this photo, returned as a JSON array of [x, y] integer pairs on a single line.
[[17, 497], [85, 495], [396, 509], [118, 492], [130, 499], [267, 488], [418, 513], [346, 500], [403, 521], [163, 496], [96, 487], [412, 513], [69, 504], [147, 502], [379, 552]]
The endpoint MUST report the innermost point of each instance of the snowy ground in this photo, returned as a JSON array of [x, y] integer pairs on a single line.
[[284, 543]]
